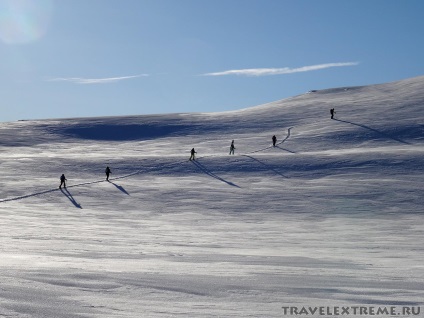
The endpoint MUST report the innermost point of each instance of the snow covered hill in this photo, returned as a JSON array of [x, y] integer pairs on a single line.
[[331, 216]]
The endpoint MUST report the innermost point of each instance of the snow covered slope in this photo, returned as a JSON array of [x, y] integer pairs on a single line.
[[331, 216]]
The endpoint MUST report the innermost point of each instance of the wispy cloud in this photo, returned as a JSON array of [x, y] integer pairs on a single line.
[[278, 71], [79, 80]]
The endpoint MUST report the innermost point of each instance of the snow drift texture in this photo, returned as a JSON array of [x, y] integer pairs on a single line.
[[332, 216]]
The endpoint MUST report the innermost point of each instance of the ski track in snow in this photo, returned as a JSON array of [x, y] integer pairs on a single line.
[[140, 171]]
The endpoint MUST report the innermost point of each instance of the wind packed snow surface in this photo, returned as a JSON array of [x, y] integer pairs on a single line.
[[330, 217]]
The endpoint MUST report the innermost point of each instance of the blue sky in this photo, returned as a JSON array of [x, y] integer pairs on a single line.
[[79, 58]]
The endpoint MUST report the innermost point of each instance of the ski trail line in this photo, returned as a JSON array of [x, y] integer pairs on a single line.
[[140, 171], [270, 147]]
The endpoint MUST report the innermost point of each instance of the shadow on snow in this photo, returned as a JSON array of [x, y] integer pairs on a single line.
[[211, 174], [120, 188], [393, 136], [267, 166], [284, 149], [111, 132], [66, 192]]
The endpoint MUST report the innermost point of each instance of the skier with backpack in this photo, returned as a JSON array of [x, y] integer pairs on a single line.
[[232, 148], [274, 140], [62, 181], [107, 171], [332, 112], [192, 152]]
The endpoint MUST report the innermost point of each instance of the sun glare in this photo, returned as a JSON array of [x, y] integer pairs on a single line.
[[24, 21]]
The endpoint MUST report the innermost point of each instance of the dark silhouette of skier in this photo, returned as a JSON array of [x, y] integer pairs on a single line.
[[332, 112], [107, 171], [192, 154], [232, 148], [274, 140], [62, 181]]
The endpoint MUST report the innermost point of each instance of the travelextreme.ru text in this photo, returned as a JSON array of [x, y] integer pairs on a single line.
[[352, 310]]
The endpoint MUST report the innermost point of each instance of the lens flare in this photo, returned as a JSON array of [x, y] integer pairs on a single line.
[[24, 21]]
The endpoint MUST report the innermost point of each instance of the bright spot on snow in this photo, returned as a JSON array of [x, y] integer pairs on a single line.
[[24, 21]]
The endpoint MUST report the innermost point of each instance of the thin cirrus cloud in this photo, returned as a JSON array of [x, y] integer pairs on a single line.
[[79, 80], [279, 71]]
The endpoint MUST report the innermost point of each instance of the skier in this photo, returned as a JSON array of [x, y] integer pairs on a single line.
[[232, 148], [62, 181], [107, 171], [332, 112], [192, 154], [274, 140]]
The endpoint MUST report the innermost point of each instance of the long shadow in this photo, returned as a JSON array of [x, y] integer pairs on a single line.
[[373, 130], [211, 174], [267, 166], [284, 149], [71, 198], [120, 188]]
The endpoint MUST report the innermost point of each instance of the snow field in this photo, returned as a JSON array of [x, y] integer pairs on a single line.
[[332, 216]]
